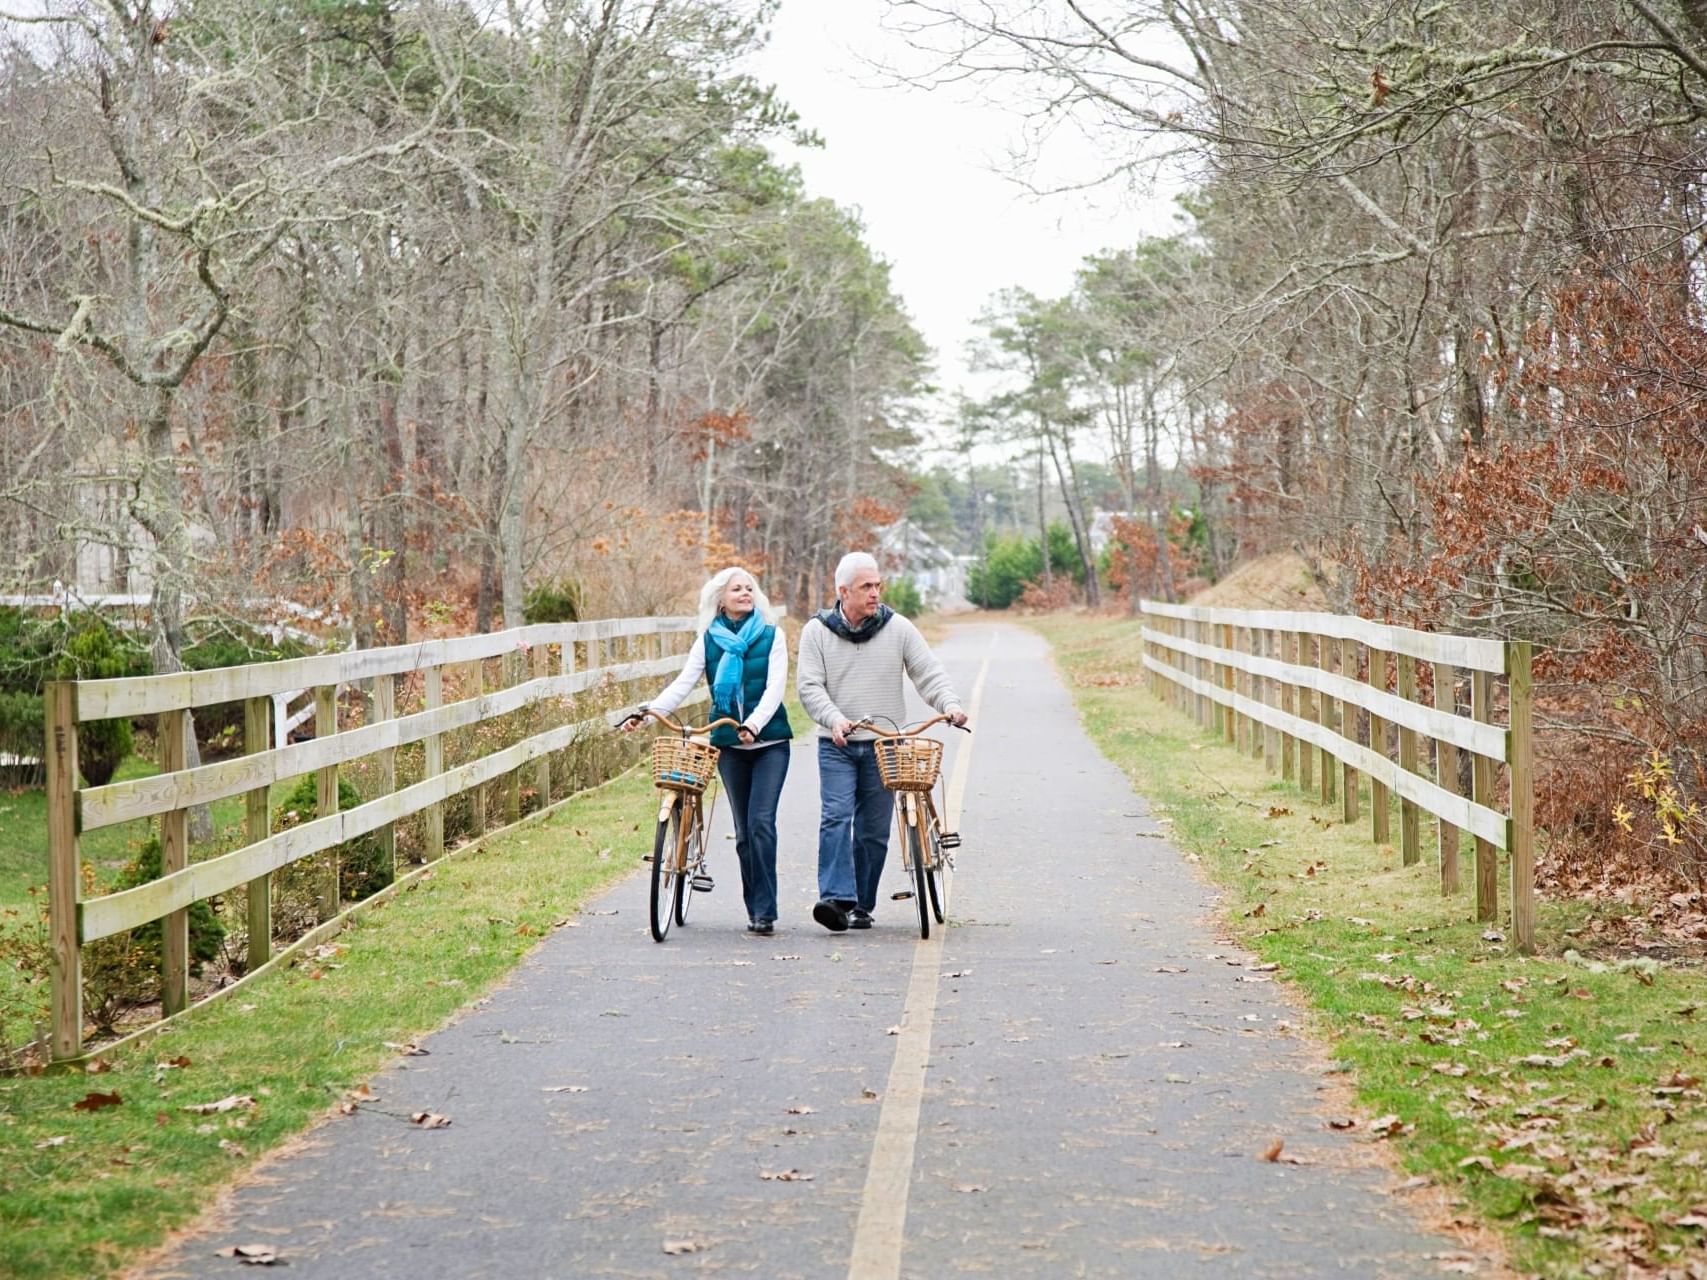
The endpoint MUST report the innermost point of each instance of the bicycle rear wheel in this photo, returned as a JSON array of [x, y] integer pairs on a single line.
[[916, 855], [667, 877]]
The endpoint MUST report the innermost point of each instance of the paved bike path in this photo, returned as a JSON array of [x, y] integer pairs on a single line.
[[1098, 1081]]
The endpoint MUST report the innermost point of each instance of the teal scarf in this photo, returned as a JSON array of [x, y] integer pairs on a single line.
[[726, 683]]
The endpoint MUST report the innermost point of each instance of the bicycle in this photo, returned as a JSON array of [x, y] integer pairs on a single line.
[[910, 766], [683, 770]]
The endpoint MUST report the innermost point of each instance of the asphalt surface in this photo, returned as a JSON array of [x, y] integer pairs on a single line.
[[1098, 1078]]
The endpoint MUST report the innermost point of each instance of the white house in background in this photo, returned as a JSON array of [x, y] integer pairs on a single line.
[[907, 551], [112, 549], [1102, 527]]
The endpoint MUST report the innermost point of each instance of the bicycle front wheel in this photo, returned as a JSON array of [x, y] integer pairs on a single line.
[[667, 864], [916, 855], [939, 871], [693, 856]]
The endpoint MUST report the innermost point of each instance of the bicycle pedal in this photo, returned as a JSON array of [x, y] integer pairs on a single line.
[[901, 895], [950, 839], [701, 883]]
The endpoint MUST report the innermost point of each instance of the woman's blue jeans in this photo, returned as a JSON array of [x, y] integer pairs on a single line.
[[853, 831], [754, 781]]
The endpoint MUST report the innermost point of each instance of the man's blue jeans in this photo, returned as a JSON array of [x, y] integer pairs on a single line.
[[853, 831], [754, 781]]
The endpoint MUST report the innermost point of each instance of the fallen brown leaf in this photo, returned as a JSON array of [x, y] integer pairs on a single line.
[[96, 1101], [676, 1247], [785, 1175], [429, 1120]]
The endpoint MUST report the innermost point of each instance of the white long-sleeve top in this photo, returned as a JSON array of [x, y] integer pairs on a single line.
[[693, 671]]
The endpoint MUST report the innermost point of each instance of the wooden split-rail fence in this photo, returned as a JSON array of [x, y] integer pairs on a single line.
[[1321, 697], [533, 665]]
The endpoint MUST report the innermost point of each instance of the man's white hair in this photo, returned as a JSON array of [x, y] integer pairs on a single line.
[[711, 596], [850, 565]]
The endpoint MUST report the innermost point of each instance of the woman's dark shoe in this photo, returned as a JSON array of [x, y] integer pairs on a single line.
[[761, 926], [859, 918], [831, 916]]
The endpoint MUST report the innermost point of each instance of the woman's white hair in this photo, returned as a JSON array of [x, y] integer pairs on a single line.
[[848, 568], [711, 596]]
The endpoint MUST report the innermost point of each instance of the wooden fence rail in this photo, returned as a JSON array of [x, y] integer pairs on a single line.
[[1339, 689], [566, 659]]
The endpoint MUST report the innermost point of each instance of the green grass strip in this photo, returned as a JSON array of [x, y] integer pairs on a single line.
[[1557, 1098], [86, 1192]]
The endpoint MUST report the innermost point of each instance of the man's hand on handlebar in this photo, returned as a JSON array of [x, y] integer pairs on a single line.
[[839, 734]]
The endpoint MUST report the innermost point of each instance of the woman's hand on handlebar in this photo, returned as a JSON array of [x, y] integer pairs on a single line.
[[690, 730]]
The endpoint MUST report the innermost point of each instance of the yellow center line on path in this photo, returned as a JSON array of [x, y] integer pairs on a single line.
[[881, 1230]]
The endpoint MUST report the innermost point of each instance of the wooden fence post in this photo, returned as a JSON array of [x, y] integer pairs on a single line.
[[385, 708], [257, 824], [433, 764], [1257, 688], [1271, 735], [174, 729], [1307, 712], [1347, 663], [1229, 682], [64, 869], [328, 892], [1446, 774], [1482, 783], [476, 795], [542, 767], [1205, 704], [513, 675], [1286, 645], [1520, 827], [1378, 744], [1410, 836], [1328, 712]]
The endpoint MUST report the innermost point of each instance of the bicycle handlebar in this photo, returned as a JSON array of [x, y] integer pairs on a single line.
[[687, 731], [914, 731]]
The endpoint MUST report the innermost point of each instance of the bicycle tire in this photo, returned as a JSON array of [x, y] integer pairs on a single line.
[[938, 874], [921, 893], [666, 873], [693, 861]]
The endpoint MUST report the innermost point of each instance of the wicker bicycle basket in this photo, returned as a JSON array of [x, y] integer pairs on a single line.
[[683, 764], [908, 764]]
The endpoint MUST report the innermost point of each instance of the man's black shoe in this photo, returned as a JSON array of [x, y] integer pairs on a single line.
[[859, 918], [761, 926], [830, 915]]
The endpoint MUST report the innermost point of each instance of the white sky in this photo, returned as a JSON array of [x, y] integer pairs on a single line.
[[924, 168]]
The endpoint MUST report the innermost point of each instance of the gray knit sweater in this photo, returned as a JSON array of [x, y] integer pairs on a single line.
[[841, 680]]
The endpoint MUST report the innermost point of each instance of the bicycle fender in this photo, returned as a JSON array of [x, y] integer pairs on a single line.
[[669, 802]]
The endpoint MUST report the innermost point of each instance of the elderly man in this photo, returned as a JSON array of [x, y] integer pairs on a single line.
[[851, 660]]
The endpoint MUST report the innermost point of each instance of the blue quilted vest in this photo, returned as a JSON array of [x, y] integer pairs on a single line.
[[754, 669]]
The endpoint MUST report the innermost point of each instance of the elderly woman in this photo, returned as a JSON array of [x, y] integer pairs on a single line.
[[744, 657]]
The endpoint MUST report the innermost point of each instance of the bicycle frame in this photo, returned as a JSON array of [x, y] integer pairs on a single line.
[[687, 792], [925, 843]]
